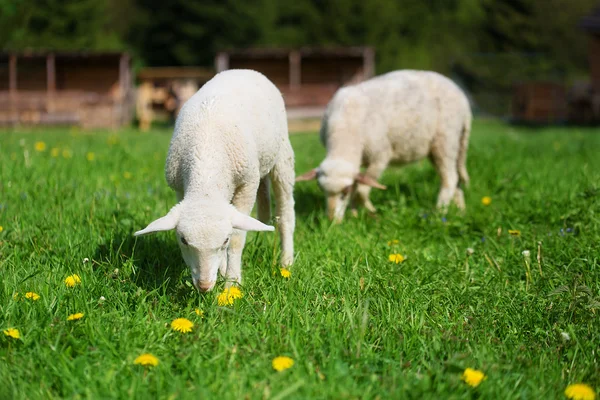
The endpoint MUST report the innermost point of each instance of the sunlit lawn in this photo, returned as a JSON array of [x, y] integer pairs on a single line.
[[355, 324]]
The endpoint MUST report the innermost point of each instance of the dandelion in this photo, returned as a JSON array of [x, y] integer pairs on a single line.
[[182, 325], [1, 228], [146, 360], [72, 280], [514, 232], [40, 146], [13, 333], [112, 140], [90, 156], [486, 200], [396, 258], [32, 295], [127, 175], [229, 295], [580, 391], [282, 363], [473, 377], [66, 153], [199, 312], [74, 317], [54, 152], [392, 242], [286, 273]]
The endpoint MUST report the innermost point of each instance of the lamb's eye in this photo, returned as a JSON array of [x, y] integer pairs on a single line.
[[184, 241]]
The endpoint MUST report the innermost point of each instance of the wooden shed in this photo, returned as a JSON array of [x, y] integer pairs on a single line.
[[307, 77], [591, 24], [539, 102], [88, 89], [163, 90]]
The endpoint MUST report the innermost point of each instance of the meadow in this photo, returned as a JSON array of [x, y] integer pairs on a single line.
[[511, 287]]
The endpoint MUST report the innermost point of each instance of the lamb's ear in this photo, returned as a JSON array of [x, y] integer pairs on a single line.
[[308, 176], [165, 223], [245, 222], [367, 180]]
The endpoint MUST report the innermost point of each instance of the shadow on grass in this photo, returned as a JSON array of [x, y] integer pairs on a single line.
[[157, 259]]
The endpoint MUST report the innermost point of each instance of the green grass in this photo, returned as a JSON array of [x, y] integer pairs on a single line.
[[357, 325]]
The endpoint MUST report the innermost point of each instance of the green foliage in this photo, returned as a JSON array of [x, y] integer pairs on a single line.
[[442, 35], [357, 325], [57, 24]]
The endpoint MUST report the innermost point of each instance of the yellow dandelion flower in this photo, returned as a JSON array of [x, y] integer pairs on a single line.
[[282, 363], [486, 200], [112, 140], [514, 232], [32, 295], [72, 280], [66, 153], [473, 377], [40, 146], [90, 156], [228, 296], [182, 325], [146, 360], [54, 152], [199, 312], [1, 228], [397, 258], [127, 175], [13, 333], [74, 317], [392, 242], [580, 391], [286, 273]]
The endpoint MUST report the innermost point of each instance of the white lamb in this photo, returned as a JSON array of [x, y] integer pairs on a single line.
[[230, 141], [399, 117]]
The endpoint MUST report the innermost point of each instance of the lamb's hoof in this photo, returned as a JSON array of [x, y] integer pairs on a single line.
[[370, 207]]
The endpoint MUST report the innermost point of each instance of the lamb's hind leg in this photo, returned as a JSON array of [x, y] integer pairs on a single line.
[[282, 177], [445, 164]]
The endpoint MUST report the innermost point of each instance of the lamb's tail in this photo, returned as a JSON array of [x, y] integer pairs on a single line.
[[461, 162]]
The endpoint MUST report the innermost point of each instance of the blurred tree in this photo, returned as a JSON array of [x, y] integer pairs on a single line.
[[442, 35], [57, 24]]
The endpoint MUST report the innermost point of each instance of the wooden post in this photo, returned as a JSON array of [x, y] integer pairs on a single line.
[[122, 101], [123, 76], [12, 86], [368, 63], [50, 81], [295, 69], [221, 62]]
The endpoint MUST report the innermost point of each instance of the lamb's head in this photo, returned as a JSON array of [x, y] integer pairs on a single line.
[[338, 179], [204, 233]]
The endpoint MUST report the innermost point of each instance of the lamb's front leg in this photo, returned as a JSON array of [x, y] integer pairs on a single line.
[[374, 170], [243, 201]]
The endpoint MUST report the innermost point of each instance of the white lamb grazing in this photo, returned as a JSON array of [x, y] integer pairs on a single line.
[[230, 142], [399, 117]]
